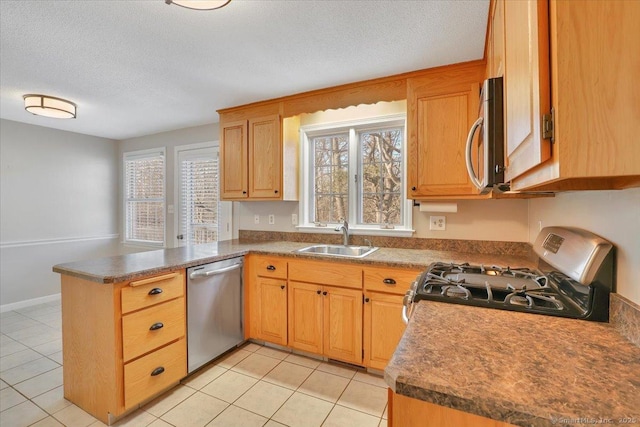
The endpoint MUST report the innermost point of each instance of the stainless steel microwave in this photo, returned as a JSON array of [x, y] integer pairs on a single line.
[[488, 152]]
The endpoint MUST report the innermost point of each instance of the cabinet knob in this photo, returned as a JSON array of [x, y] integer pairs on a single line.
[[157, 371], [276, 191], [281, 286], [366, 300], [318, 291], [324, 293], [389, 281], [413, 188], [155, 291], [271, 267], [244, 192], [156, 326]]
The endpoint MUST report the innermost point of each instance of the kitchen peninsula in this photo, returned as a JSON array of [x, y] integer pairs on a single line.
[[481, 362]]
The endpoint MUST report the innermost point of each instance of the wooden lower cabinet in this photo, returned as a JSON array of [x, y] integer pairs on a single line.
[[269, 319], [383, 327], [409, 412], [384, 289], [305, 317], [122, 343], [326, 320], [342, 309], [266, 298]]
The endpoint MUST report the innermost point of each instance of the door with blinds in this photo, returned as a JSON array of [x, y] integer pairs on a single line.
[[201, 216]]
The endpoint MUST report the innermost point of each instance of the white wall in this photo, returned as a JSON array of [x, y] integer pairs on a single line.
[[614, 215], [170, 140], [58, 190]]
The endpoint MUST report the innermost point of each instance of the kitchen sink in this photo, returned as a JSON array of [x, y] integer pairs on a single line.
[[339, 250]]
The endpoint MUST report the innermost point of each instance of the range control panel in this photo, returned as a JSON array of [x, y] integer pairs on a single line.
[[553, 242]]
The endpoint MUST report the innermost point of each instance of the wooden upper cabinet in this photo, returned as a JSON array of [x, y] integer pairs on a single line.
[[251, 152], [265, 157], [441, 109], [594, 96], [234, 160], [526, 84]]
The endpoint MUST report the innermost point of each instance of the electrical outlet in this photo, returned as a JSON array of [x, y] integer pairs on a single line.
[[294, 219], [256, 219], [272, 219], [438, 223]]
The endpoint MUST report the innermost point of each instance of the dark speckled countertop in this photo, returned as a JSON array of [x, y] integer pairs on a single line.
[[521, 368], [128, 267]]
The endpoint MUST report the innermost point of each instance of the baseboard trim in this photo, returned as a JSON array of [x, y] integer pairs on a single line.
[[29, 302]]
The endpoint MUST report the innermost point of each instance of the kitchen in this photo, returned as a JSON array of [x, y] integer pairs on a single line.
[[77, 210]]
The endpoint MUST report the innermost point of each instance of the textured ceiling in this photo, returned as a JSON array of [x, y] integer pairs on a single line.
[[141, 67]]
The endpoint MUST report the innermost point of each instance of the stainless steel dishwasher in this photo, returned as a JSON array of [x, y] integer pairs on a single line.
[[214, 310]]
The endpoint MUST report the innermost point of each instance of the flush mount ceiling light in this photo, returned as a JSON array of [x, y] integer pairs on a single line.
[[49, 106], [199, 4]]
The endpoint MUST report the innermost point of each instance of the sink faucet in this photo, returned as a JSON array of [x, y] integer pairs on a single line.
[[344, 227]]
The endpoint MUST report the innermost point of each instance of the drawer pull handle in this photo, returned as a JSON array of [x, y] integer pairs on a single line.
[[155, 291], [156, 326], [389, 281], [271, 268], [157, 371]]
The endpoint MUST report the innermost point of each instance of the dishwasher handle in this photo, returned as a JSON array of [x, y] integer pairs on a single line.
[[197, 274]]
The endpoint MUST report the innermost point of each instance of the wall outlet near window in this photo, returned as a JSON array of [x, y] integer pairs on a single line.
[[272, 219], [294, 219], [438, 223], [256, 219]]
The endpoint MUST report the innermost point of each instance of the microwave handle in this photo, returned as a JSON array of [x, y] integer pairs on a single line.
[[472, 174]]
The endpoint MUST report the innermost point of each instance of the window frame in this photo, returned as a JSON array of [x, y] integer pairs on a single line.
[[353, 128], [144, 154]]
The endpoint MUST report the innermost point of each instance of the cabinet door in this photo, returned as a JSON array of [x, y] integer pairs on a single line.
[[233, 155], [305, 317], [269, 314], [441, 109], [526, 84], [265, 158], [343, 324], [383, 328], [443, 124]]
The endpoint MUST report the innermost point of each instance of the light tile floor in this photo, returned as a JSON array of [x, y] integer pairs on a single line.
[[251, 386]]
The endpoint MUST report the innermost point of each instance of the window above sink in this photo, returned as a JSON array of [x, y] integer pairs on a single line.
[[353, 167]]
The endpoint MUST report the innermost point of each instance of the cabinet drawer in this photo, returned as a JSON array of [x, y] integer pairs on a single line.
[[154, 290], [169, 364], [153, 327], [391, 280], [270, 267], [326, 273]]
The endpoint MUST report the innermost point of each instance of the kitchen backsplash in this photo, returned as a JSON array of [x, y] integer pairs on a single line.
[[466, 246], [624, 315]]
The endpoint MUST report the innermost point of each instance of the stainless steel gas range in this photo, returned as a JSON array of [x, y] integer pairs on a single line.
[[574, 278]]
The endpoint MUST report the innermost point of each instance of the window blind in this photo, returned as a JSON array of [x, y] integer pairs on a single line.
[[145, 197], [200, 210]]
